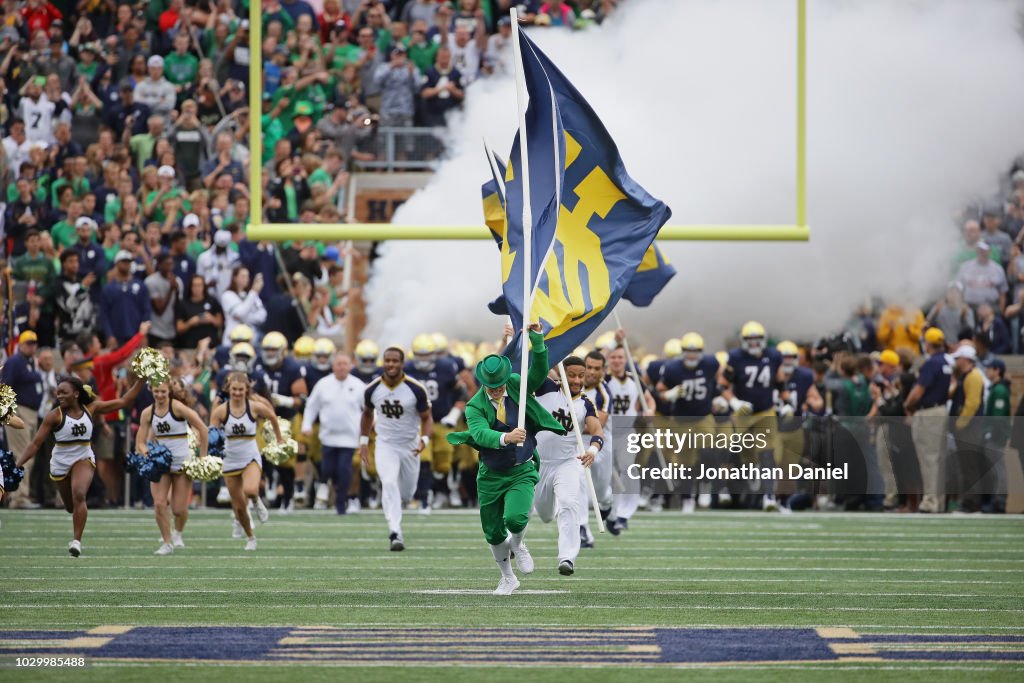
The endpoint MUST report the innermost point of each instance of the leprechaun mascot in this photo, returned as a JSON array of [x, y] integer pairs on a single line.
[[508, 459]]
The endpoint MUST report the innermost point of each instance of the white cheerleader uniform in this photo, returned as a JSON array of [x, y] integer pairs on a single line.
[[172, 432], [73, 443], [240, 442]]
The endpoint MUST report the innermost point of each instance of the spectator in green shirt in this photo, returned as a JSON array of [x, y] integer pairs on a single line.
[[87, 65], [33, 265], [339, 51], [154, 205], [142, 145], [181, 66], [75, 170], [422, 52], [63, 232]]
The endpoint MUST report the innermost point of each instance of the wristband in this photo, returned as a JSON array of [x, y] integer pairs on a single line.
[[364, 441], [597, 441]]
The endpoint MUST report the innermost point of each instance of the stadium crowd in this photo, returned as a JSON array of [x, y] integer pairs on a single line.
[[126, 162]]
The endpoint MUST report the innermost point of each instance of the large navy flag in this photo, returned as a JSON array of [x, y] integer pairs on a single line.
[[606, 221]]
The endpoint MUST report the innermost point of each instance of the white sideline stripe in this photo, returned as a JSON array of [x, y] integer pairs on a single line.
[[639, 552], [455, 591], [576, 579], [529, 606], [252, 559]]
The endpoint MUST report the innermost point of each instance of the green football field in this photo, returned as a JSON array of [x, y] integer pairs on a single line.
[[724, 596]]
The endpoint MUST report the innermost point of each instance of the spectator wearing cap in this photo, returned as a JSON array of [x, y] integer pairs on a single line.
[[398, 82], [951, 314], [442, 90], [127, 113], [184, 265], [997, 431], [885, 391], [33, 265], [983, 280], [498, 57], [223, 162], [166, 188], [968, 409], [22, 375], [993, 329], [900, 327], [338, 50], [91, 257], [165, 291], [156, 91], [142, 145], [927, 404], [216, 263], [329, 19], [124, 302]]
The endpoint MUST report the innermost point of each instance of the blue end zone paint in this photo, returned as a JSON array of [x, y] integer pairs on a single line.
[[199, 642], [741, 645]]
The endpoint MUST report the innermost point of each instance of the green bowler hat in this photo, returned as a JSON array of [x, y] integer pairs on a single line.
[[493, 371]]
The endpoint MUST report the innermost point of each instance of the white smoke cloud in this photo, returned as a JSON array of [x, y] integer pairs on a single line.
[[913, 110]]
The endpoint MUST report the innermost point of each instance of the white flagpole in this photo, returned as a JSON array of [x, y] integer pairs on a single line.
[[643, 399], [527, 218], [579, 444]]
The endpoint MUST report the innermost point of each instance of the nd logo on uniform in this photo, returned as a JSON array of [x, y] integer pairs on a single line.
[[577, 250], [78, 430], [392, 409]]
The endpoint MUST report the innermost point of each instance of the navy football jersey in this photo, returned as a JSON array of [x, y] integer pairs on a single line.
[[653, 372], [697, 386], [442, 384], [280, 380], [314, 375], [753, 377], [367, 377], [797, 386]]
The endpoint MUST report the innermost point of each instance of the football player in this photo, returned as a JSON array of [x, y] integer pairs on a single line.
[[628, 399], [367, 367], [797, 397], [748, 383], [686, 388], [318, 366], [222, 354], [286, 380], [562, 490], [436, 370], [596, 390], [673, 350], [397, 408]]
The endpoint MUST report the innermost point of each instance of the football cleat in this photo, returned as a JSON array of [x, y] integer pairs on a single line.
[[507, 585], [353, 507], [565, 568], [612, 526], [397, 544], [524, 560], [586, 538], [75, 548]]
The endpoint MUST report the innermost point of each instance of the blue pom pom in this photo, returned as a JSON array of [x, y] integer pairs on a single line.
[[160, 459], [12, 473], [215, 444]]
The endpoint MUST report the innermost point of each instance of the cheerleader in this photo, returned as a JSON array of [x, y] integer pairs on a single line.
[[14, 422], [73, 461], [242, 459], [167, 422]]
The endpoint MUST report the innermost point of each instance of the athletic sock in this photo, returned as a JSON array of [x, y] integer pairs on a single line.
[[502, 556]]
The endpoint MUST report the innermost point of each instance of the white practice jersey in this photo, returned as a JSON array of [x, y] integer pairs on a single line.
[[550, 446], [38, 117], [396, 409], [625, 395]]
